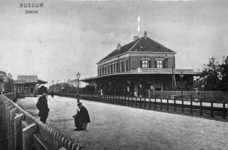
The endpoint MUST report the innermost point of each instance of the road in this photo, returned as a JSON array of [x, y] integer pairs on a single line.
[[115, 127]]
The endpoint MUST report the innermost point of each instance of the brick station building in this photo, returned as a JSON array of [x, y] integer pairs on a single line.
[[139, 68]]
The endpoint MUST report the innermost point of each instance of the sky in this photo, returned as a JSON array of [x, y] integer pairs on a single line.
[[66, 37]]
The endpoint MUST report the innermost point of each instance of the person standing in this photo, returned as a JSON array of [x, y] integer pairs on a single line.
[[42, 106], [81, 119], [52, 94]]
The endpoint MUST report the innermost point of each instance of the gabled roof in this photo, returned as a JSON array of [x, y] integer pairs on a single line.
[[19, 82], [28, 78], [141, 44], [42, 81]]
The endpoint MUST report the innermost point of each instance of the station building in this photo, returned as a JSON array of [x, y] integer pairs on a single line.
[[27, 85], [139, 68]]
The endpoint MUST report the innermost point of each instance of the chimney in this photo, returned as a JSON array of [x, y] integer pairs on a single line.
[[118, 47], [135, 38], [145, 35]]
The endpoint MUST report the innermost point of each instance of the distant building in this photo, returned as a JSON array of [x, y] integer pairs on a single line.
[[27, 85], [138, 68], [67, 87], [73, 82]]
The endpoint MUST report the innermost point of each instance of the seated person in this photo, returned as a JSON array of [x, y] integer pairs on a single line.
[[81, 118]]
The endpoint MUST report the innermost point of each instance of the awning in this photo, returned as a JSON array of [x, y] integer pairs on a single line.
[[147, 71]]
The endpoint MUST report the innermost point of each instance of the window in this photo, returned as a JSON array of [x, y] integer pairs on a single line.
[[105, 69], [20, 88], [120, 64], [125, 65], [159, 63], [98, 71], [110, 69], [113, 68], [145, 63]]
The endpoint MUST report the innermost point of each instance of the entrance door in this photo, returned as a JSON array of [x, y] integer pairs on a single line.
[[31, 90], [158, 86]]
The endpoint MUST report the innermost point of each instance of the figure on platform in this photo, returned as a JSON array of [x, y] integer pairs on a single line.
[[52, 94], [42, 106], [81, 119]]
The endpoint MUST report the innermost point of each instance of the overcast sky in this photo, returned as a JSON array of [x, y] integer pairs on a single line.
[[66, 37]]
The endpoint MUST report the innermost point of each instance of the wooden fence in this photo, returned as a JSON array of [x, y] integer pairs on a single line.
[[209, 96], [188, 106], [25, 132]]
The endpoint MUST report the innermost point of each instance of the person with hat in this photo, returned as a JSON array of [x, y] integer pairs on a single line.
[[42, 106], [81, 119]]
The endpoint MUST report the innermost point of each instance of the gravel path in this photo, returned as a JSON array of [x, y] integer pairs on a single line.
[[116, 127]]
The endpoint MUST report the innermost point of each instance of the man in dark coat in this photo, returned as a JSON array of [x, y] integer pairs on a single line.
[[42, 106], [81, 118]]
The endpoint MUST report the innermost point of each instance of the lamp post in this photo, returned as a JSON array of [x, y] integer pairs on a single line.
[[181, 76], [78, 76]]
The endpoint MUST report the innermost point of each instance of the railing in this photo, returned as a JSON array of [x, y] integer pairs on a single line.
[[209, 96], [188, 106], [23, 131]]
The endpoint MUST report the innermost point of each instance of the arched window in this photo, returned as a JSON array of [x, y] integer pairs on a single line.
[[120, 64], [113, 68], [125, 65]]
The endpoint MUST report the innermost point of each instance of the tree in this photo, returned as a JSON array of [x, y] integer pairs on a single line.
[[210, 74], [224, 75], [2, 80], [215, 76], [6, 81]]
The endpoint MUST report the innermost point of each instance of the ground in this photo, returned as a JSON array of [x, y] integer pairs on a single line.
[[115, 127]]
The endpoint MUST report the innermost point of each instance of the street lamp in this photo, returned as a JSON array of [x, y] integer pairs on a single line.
[[78, 76], [181, 76]]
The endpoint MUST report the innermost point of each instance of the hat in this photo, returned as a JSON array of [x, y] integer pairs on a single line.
[[79, 104]]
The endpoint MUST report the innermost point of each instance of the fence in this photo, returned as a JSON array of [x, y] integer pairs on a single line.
[[210, 96], [216, 110], [24, 131]]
